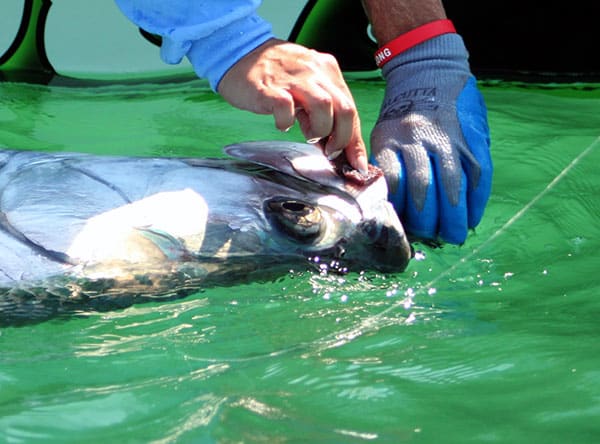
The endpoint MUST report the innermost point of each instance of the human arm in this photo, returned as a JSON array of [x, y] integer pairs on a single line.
[[231, 46], [290, 81], [432, 137]]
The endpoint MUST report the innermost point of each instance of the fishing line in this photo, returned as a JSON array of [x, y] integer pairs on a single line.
[[373, 322]]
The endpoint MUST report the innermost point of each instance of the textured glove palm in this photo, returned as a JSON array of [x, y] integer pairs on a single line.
[[432, 141]]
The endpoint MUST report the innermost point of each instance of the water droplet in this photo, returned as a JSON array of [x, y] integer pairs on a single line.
[[411, 318], [419, 255]]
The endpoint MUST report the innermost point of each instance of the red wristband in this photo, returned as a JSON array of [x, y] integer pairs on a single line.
[[412, 38]]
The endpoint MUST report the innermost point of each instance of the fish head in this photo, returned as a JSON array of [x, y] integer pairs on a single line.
[[324, 217]]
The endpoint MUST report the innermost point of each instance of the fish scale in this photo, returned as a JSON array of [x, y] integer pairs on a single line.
[[78, 230]]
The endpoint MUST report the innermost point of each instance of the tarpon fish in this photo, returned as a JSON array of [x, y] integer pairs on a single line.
[[79, 231]]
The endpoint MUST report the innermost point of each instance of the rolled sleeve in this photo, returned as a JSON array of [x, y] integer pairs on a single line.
[[214, 34], [212, 56]]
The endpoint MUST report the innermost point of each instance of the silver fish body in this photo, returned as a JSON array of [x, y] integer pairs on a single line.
[[78, 230]]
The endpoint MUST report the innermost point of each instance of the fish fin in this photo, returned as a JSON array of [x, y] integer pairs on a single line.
[[171, 247], [308, 162], [296, 159]]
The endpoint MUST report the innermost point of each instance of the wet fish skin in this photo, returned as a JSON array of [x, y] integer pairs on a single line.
[[98, 232]]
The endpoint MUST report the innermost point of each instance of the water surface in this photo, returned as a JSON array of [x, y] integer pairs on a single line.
[[494, 341]]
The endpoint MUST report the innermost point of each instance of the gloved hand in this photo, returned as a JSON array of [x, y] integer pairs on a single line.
[[432, 141]]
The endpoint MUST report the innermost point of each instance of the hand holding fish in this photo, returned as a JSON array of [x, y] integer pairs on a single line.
[[432, 141], [432, 137], [293, 82]]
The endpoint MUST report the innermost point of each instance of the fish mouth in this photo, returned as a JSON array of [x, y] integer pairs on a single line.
[[386, 250], [389, 251], [369, 234], [386, 246], [333, 244]]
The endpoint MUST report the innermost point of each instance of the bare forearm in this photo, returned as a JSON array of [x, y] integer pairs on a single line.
[[390, 18]]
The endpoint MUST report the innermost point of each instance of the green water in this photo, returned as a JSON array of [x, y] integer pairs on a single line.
[[495, 341]]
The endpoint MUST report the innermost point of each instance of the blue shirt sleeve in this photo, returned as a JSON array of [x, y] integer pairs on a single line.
[[213, 34]]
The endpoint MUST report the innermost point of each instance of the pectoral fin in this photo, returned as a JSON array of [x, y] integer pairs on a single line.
[[169, 246]]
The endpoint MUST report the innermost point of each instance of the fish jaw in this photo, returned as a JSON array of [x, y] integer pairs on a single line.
[[365, 228], [386, 245]]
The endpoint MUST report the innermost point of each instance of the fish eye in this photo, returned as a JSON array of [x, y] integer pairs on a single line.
[[296, 207], [295, 218]]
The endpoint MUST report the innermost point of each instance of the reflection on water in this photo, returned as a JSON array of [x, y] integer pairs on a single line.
[[492, 341]]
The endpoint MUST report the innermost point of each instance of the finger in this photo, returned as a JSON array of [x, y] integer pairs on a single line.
[[453, 226], [421, 217], [316, 104], [304, 123], [386, 155], [352, 143], [280, 104], [356, 153], [336, 122], [346, 132], [449, 181], [395, 177], [421, 210], [343, 127]]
